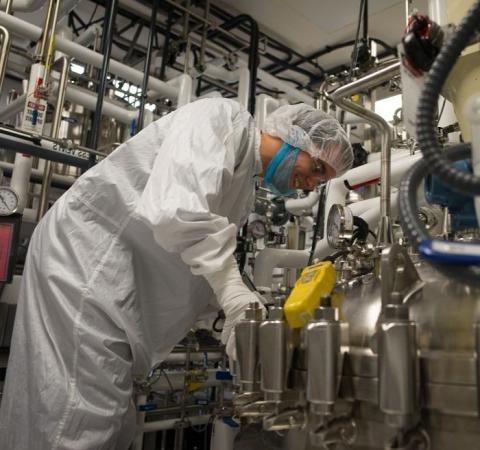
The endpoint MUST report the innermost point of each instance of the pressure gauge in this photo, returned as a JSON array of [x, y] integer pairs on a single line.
[[339, 226], [8, 201], [257, 229]]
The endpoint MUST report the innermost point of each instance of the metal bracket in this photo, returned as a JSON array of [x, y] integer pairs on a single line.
[[398, 274]]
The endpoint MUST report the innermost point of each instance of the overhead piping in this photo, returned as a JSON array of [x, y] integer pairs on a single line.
[[146, 67], [23, 28], [340, 98], [108, 30]]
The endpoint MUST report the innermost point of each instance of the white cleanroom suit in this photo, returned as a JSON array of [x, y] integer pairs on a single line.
[[113, 277]]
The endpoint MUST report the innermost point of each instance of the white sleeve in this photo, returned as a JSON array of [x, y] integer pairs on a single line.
[[194, 166]]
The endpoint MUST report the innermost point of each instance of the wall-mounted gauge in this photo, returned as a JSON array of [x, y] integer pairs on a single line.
[[8, 201], [339, 226]]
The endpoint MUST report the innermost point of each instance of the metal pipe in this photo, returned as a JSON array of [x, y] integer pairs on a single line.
[[186, 19], [88, 99], [204, 35], [4, 53], [36, 176], [253, 59], [42, 50], [22, 5], [340, 98], [51, 42], [365, 21], [57, 120], [108, 30], [8, 7], [169, 424], [146, 67], [22, 28], [218, 30], [89, 35], [57, 150], [166, 43]]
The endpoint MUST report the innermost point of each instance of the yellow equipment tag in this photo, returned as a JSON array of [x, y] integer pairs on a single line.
[[316, 281]]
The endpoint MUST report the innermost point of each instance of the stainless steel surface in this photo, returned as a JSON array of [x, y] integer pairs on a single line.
[[48, 24], [397, 366], [340, 97], [286, 420], [338, 431], [57, 120], [47, 44], [8, 6], [5, 36], [323, 350], [246, 337], [444, 311], [274, 354], [398, 275]]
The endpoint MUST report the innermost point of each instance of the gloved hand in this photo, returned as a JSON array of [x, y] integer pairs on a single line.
[[234, 298]]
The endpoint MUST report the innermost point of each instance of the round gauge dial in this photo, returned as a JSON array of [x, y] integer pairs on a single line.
[[8, 201], [257, 229], [339, 226]]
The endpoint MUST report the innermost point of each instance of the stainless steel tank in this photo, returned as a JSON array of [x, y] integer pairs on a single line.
[[445, 313]]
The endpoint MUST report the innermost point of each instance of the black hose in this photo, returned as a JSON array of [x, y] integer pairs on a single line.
[[432, 150], [353, 63], [362, 228], [412, 225], [365, 21], [319, 223], [220, 318]]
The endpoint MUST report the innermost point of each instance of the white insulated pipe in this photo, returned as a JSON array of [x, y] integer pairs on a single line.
[[24, 5], [88, 100], [20, 179], [89, 35], [243, 86], [370, 172], [220, 73], [293, 93], [242, 75], [302, 206], [358, 208], [290, 91], [13, 108], [169, 424], [223, 434], [271, 258], [184, 86], [372, 215], [25, 29], [67, 180]]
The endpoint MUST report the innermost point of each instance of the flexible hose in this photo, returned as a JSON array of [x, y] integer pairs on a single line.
[[432, 151], [412, 225], [318, 230]]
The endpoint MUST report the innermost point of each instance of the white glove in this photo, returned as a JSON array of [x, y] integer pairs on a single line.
[[234, 298]]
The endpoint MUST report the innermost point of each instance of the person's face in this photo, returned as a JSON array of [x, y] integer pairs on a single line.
[[309, 173]]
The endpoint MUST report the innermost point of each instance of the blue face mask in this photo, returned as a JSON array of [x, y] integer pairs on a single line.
[[280, 170]]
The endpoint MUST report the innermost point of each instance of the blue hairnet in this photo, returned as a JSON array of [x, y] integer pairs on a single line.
[[314, 132]]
